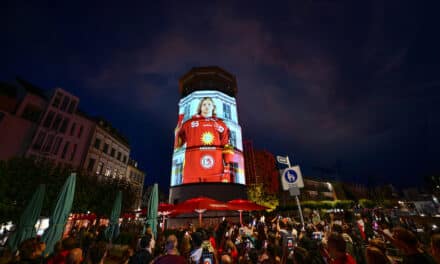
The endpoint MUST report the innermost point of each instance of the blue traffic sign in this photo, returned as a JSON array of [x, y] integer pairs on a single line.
[[290, 175]]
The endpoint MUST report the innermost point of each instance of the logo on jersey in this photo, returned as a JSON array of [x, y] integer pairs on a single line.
[[207, 162], [207, 138], [219, 128], [194, 123]]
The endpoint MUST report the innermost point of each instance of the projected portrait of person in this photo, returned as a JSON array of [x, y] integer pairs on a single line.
[[205, 136]]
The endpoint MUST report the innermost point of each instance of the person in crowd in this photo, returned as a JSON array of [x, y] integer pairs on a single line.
[[145, 254], [30, 252], [172, 254], [226, 259], [196, 252], [75, 256], [337, 249], [435, 247], [408, 245], [126, 255], [60, 256], [376, 256], [230, 249], [185, 245], [98, 253]]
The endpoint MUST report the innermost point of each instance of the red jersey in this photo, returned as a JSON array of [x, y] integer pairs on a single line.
[[347, 259], [202, 131], [205, 138]]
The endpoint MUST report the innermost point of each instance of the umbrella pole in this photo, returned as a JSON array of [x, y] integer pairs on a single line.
[[163, 223], [200, 219], [241, 217]]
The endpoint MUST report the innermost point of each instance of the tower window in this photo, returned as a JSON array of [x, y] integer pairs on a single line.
[[233, 138], [227, 111]]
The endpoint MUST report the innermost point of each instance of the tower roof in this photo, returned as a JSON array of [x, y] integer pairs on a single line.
[[208, 78]]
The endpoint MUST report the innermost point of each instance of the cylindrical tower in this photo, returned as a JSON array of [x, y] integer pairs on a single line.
[[208, 149]]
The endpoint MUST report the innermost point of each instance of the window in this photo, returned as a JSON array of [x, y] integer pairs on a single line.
[[233, 138], [115, 172], [48, 120], [57, 100], [64, 125], [178, 172], [80, 131], [108, 171], [186, 111], [105, 149], [65, 103], [66, 146], [48, 144], [73, 152], [72, 106], [56, 146], [91, 164], [99, 168], [72, 129], [227, 111], [124, 159], [113, 152], [40, 139], [97, 144], [57, 122], [119, 155]]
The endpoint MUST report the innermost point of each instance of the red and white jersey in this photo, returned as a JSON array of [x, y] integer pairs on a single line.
[[202, 131], [205, 139]]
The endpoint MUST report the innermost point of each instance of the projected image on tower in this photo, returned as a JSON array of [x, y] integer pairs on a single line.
[[207, 140]]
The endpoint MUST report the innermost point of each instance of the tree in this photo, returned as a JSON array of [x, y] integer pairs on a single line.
[[19, 178], [257, 194]]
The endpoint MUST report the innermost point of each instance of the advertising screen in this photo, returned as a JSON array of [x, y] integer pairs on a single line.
[[208, 145]]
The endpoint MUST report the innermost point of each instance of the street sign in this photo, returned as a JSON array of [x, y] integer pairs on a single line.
[[292, 177], [294, 191], [284, 160]]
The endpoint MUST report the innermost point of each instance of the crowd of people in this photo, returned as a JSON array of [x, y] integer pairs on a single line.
[[266, 239]]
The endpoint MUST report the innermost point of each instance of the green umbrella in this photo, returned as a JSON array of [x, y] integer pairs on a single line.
[[61, 213], [153, 204], [112, 229], [26, 226]]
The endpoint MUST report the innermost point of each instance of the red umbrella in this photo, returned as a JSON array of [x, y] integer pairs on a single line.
[[165, 208], [200, 205], [245, 205]]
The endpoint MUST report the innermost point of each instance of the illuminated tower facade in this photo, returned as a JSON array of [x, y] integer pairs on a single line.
[[208, 148]]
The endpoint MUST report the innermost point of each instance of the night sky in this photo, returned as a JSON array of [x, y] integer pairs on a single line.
[[351, 87]]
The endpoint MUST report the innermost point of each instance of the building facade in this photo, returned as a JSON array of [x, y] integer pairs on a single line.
[[136, 178], [48, 126], [267, 171], [108, 153], [62, 136], [249, 162]]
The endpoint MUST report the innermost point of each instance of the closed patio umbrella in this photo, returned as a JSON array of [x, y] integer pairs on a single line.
[[60, 214], [26, 226], [153, 204], [112, 230]]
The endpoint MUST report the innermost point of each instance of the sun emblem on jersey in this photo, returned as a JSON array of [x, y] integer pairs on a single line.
[[207, 138]]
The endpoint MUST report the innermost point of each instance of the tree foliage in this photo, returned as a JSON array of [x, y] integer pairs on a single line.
[[257, 194], [19, 178]]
